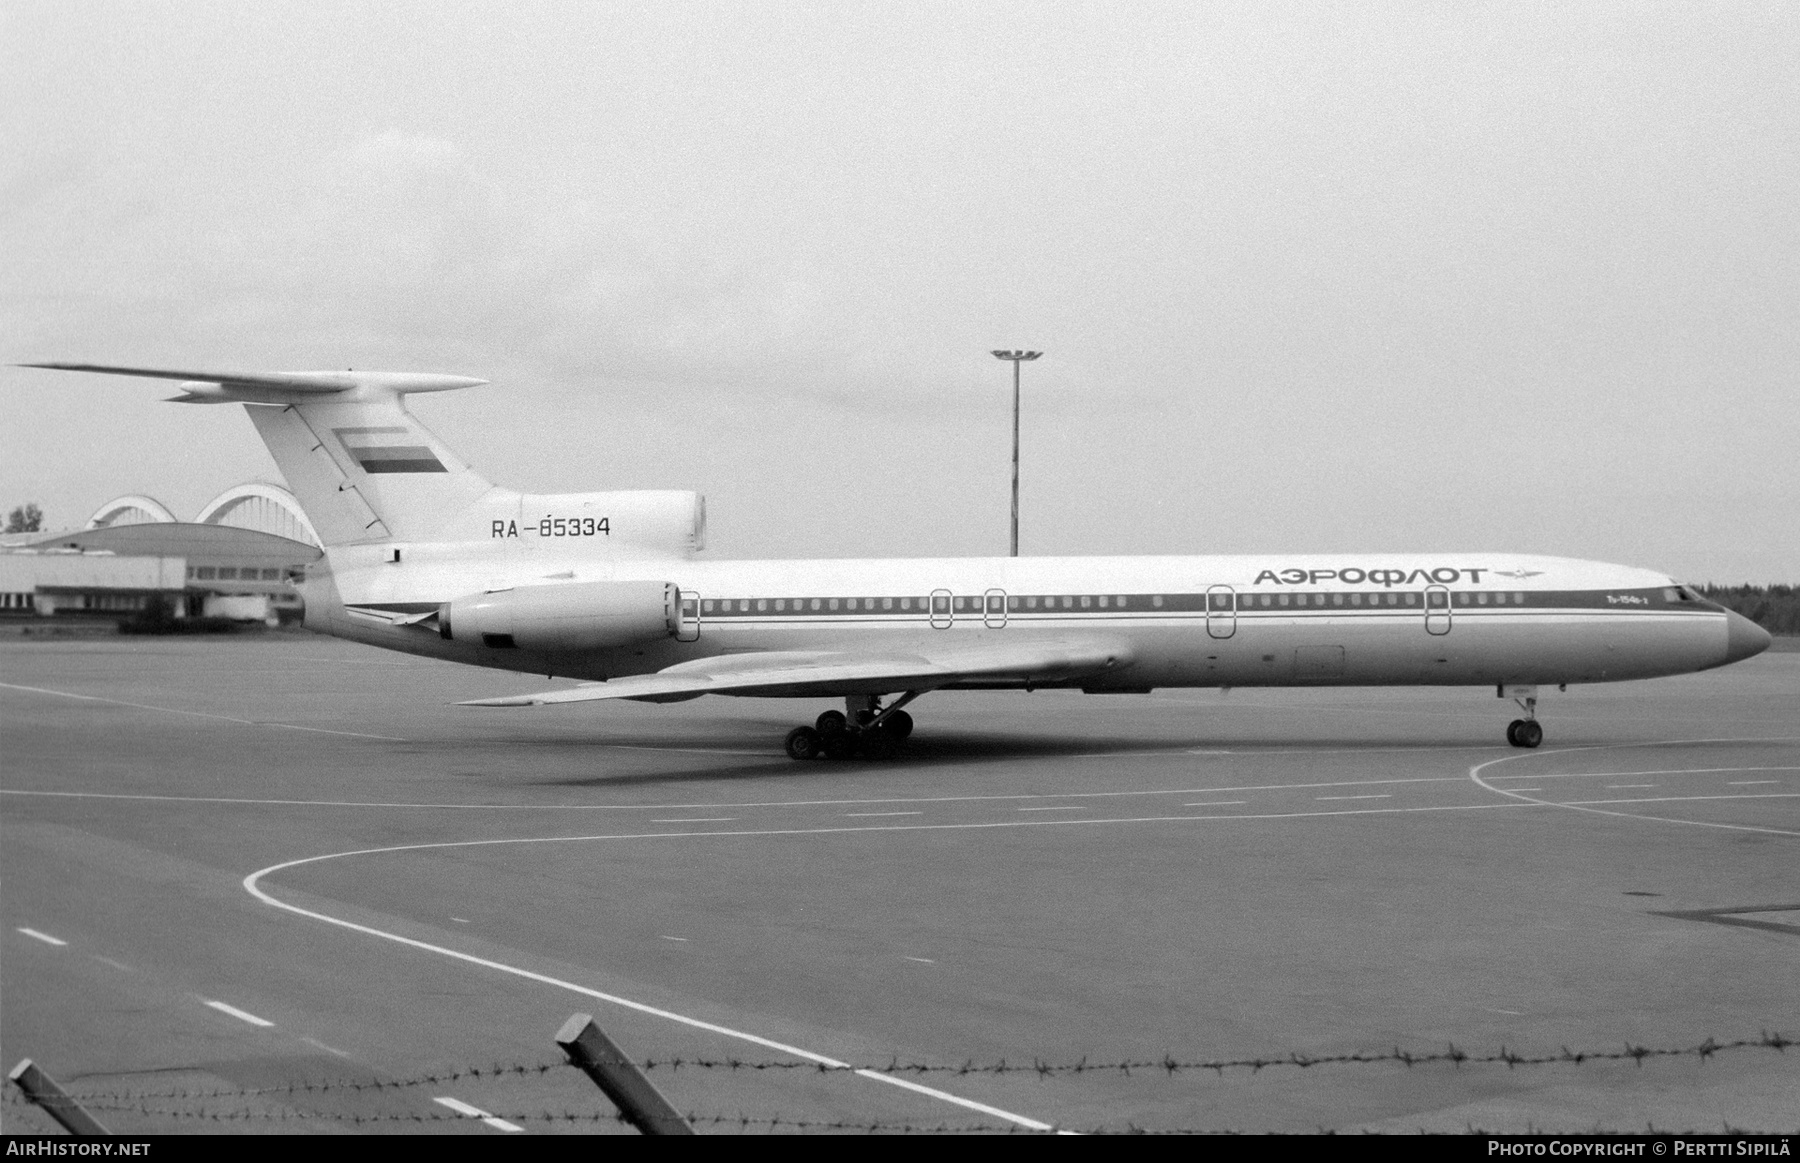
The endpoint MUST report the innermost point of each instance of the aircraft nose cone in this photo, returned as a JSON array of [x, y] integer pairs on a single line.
[[1743, 638]]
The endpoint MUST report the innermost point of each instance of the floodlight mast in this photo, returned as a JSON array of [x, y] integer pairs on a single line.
[[1016, 358]]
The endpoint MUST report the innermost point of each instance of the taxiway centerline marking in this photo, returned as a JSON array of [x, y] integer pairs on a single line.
[[1058, 808], [475, 1112], [252, 886], [44, 937], [196, 714], [1750, 782], [699, 820], [240, 1015], [1772, 795], [1384, 796], [1517, 797], [1181, 791], [1216, 804], [864, 815], [1628, 774]]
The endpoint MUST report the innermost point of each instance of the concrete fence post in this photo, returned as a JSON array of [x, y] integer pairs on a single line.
[[637, 1098], [42, 1089]]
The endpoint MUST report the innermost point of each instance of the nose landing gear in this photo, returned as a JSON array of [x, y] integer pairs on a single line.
[[1526, 732], [867, 730]]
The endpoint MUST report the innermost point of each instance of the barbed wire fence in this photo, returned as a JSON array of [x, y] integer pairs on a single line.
[[267, 1104]]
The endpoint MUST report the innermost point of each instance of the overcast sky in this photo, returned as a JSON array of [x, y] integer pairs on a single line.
[[1308, 278]]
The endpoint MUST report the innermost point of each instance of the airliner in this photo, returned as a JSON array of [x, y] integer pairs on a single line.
[[425, 556]]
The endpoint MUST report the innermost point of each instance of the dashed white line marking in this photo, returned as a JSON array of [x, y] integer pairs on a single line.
[[38, 690], [1524, 789], [324, 1047], [1749, 782], [1476, 777], [1627, 786], [588, 807], [252, 887], [1383, 796], [44, 937], [1216, 804], [922, 960], [871, 815], [475, 1112], [240, 1015], [1066, 808], [119, 965], [460, 920], [698, 820], [1508, 1013], [666, 937], [1774, 795]]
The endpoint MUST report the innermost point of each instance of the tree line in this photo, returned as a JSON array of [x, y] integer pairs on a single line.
[[1774, 608]]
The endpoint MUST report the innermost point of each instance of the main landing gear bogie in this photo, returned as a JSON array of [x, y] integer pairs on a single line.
[[867, 730]]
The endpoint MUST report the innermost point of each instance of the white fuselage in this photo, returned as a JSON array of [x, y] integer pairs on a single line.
[[1307, 620]]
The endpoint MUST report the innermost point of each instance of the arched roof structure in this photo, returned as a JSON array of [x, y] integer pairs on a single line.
[[131, 509], [262, 506]]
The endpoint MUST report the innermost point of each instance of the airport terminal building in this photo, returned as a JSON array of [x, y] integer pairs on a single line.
[[131, 556]]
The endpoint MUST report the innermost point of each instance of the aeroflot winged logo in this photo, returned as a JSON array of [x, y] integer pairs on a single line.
[[384, 450], [1443, 576]]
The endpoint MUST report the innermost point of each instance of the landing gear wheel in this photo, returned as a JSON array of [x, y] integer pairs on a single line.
[[803, 743], [840, 745], [899, 725], [830, 723], [1512, 732], [1529, 734]]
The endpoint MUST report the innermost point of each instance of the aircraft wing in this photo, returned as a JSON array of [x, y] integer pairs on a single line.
[[835, 673]]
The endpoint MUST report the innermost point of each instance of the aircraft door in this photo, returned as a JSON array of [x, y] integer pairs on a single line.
[[993, 609], [687, 624], [1221, 611], [941, 613], [1437, 610]]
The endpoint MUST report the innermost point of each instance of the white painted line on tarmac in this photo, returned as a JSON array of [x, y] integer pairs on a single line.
[[871, 815], [475, 1112], [252, 887], [1383, 796], [38, 690], [698, 820], [1216, 804], [1628, 786], [1777, 795], [591, 807], [119, 965], [44, 937], [460, 920], [324, 1047], [666, 937], [1062, 808], [240, 1015], [1631, 774], [770, 753], [1516, 795], [1750, 782], [922, 960]]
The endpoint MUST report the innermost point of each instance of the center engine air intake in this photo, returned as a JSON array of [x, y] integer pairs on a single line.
[[576, 616]]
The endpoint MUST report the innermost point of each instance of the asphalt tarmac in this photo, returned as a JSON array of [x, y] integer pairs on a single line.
[[278, 883]]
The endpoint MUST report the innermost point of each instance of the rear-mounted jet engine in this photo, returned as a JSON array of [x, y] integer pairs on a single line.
[[576, 616]]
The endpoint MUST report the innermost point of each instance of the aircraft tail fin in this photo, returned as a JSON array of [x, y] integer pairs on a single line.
[[363, 467]]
